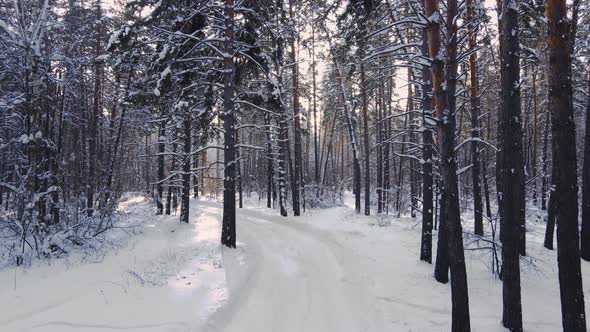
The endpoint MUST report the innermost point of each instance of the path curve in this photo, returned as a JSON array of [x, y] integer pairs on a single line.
[[292, 278]]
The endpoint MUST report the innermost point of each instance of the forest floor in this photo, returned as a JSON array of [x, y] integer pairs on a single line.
[[329, 270]]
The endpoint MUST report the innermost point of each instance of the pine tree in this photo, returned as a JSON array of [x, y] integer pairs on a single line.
[[228, 235], [445, 69], [564, 154], [512, 169]]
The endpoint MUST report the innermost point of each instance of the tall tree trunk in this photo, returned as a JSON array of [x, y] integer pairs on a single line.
[[545, 179], [228, 232], [564, 154], [412, 140], [284, 154], [427, 142], [366, 143], [500, 124], [585, 240], [296, 174], [351, 131], [349, 125], [119, 135], [148, 167], [400, 173], [316, 145], [475, 130], [484, 170], [269, 161], [94, 118], [445, 106], [552, 211], [329, 150], [172, 180], [512, 170], [535, 138], [197, 141], [186, 171], [161, 152], [239, 170], [386, 178], [441, 265], [379, 144]]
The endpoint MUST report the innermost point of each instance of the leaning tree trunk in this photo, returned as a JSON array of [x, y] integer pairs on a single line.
[[329, 150], [445, 105], [512, 170], [446, 121], [316, 150], [228, 232], [349, 125], [353, 141], [564, 155]]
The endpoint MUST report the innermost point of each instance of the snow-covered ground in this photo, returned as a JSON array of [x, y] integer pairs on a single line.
[[168, 277], [329, 270]]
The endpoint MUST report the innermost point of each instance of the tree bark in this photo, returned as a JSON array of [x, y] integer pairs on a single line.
[[186, 171], [445, 105], [552, 211], [379, 145], [412, 140], [316, 145], [366, 143], [228, 232], [564, 155], [585, 238], [427, 142], [500, 124], [171, 182], [545, 179], [512, 170], [296, 174], [475, 136], [269, 162], [161, 152], [351, 132], [93, 132], [239, 171], [535, 138]]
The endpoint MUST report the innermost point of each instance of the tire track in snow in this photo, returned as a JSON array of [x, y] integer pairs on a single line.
[[297, 278]]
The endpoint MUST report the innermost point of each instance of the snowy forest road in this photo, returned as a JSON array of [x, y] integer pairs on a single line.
[[297, 280], [329, 270], [333, 270]]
